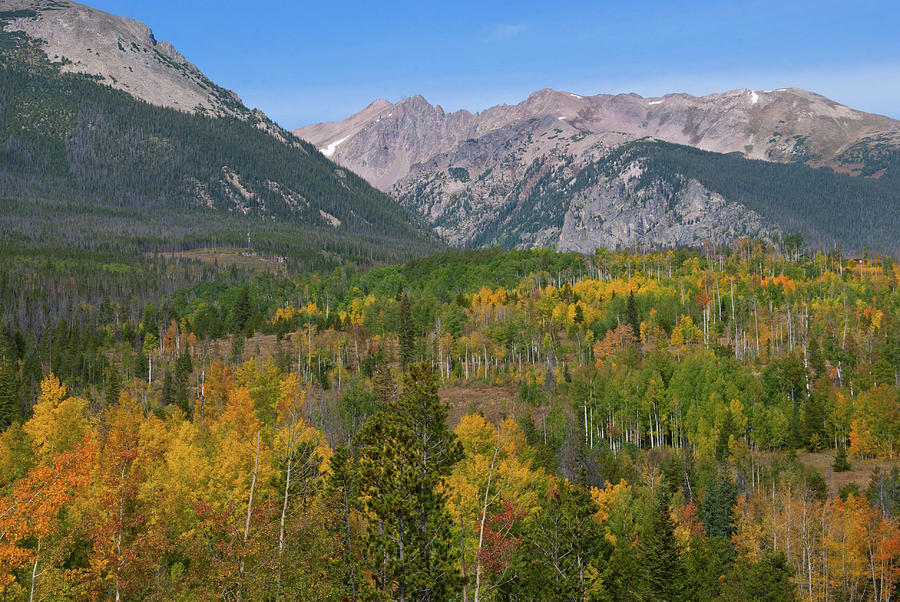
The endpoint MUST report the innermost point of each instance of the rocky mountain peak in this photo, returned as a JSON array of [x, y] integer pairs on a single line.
[[783, 125], [510, 174], [122, 52]]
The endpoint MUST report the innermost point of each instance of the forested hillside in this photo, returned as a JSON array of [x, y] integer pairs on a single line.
[[828, 208], [670, 425], [103, 171]]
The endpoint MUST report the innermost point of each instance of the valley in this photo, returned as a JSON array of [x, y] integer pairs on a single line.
[[581, 347]]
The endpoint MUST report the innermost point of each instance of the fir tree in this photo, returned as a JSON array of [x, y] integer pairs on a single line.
[[715, 508], [841, 463], [767, 580], [113, 388], [407, 334], [168, 388], [241, 312], [183, 368], [342, 489], [632, 317], [9, 395], [405, 453], [663, 565], [564, 548]]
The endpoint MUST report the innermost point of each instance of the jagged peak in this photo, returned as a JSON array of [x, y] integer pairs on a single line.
[[417, 101]]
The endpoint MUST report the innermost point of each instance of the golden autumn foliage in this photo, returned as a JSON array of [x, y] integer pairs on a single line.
[[30, 512], [59, 423], [616, 340]]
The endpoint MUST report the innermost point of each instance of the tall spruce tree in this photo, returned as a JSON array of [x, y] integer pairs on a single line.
[[9, 383], [632, 316], [841, 463], [661, 554], [342, 489], [563, 550], [9, 395], [719, 499], [407, 334], [405, 452], [113, 387]]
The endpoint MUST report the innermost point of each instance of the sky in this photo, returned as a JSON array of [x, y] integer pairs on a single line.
[[304, 62]]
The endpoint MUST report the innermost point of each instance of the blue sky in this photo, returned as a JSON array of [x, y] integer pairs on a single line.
[[303, 62]]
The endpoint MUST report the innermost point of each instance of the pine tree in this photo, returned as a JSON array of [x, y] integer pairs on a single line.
[[563, 547], [768, 580], [632, 317], [9, 396], [168, 388], [663, 565], [113, 388], [407, 334], [241, 311], [715, 508], [841, 463], [183, 369], [383, 384], [342, 489], [405, 453]]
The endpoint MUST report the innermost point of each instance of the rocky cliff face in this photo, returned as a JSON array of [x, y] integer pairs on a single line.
[[502, 176], [122, 53], [570, 201], [617, 213], [385, 140]]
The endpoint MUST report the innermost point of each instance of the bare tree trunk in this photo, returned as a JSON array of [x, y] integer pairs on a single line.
[[484, 507], [249, 513], [284, 506], [119, 535], [34, 573]]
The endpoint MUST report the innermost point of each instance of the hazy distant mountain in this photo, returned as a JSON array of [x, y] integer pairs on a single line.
[[97, 115], [504, 176]]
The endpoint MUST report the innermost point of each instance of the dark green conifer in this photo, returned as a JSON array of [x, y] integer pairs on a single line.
[[406, 452], [663, 566], [841, 463], [719, 499], [631, 315], [407, 333]]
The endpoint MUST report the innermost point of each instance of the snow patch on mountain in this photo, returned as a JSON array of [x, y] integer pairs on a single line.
[[329, 150]]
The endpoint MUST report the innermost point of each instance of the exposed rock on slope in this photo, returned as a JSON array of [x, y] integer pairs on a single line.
[[618, 214], [385, 140], [552, 200], [122, 53], [66, 138], [502, 176]]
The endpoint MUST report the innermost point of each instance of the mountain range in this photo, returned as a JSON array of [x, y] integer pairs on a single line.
[[576, 172], [110, 139]]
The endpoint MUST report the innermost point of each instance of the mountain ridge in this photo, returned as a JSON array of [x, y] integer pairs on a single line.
[[76, 150], [632, 116], [468, 174]]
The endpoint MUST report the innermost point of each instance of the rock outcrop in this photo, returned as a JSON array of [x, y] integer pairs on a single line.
[[503, 176]]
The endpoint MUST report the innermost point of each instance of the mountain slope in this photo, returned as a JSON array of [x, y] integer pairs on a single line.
[[82, 161], [787, 125], [120, 52], [483, 178]]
